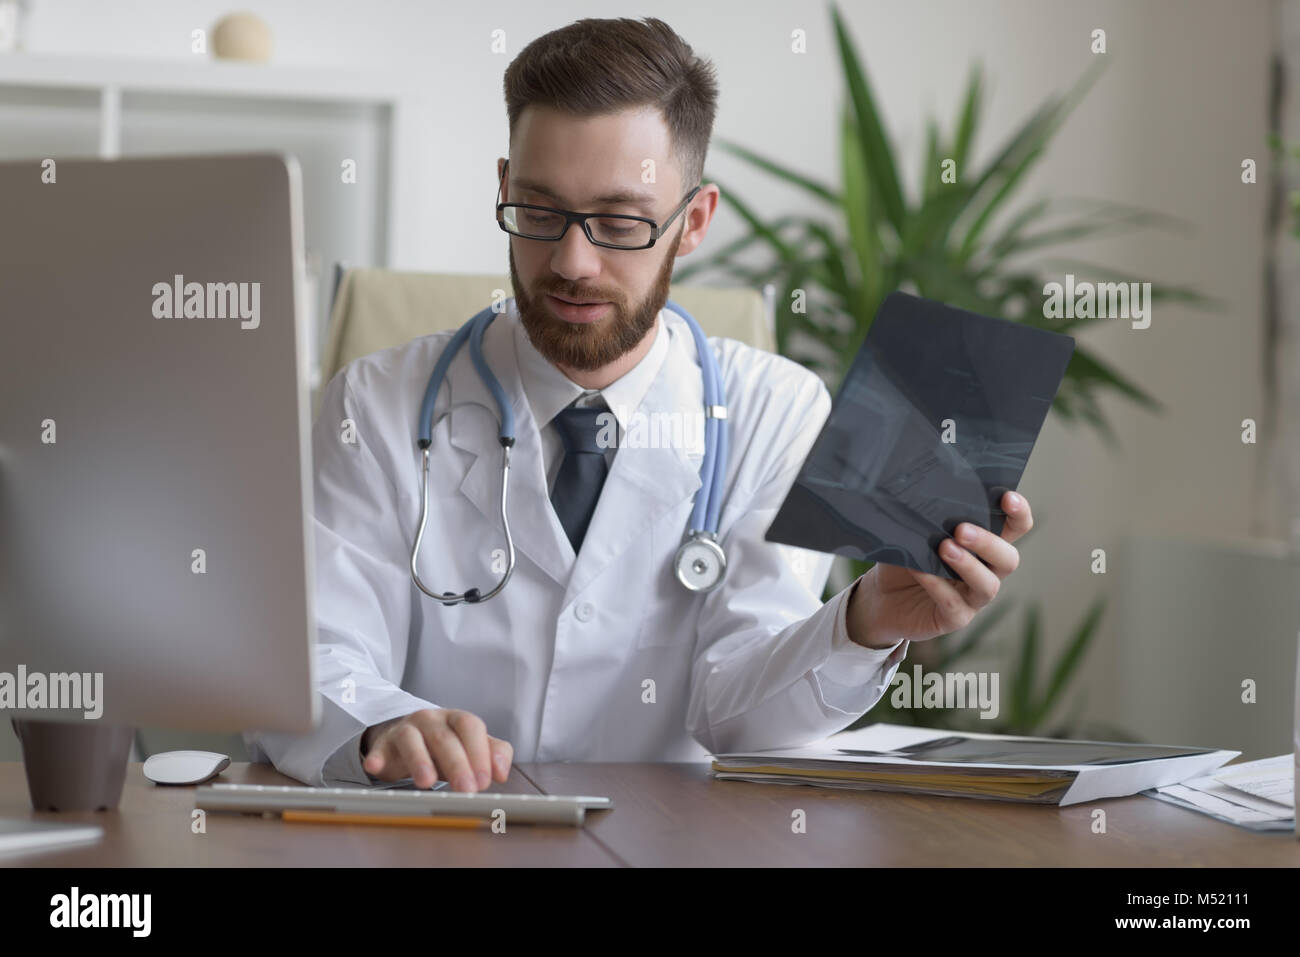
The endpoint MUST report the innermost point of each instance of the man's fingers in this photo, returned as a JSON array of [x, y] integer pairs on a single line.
[[474, 738], [1020, 518], [952, 611], [503, 753], [438, 743], [413, 756], [998, 553], [981, 580], [449, 754]]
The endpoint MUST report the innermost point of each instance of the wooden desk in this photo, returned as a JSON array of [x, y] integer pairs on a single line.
[[151, 828], [677, 815], [667, 815]]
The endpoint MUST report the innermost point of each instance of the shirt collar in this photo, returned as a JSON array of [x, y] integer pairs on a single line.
[[549, 390]]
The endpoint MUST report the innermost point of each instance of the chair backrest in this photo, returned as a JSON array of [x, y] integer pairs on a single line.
[[378, 308]]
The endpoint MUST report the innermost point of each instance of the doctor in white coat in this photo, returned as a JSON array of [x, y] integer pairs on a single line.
[[596, 653]]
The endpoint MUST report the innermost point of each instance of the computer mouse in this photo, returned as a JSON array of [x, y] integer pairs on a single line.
[[184, 767]]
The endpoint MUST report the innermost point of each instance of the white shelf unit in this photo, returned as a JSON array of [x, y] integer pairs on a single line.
[[65, 106]]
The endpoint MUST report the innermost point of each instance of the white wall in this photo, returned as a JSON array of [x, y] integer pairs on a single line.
[[1167, 126]]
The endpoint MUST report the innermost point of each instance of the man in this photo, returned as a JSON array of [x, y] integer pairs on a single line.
[[593, 651]]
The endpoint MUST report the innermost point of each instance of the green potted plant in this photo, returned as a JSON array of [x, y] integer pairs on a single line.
[[833, 266]]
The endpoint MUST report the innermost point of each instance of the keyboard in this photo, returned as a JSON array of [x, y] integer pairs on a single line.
[[517, 808]]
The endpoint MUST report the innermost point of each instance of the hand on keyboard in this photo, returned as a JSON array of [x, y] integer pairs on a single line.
[[437, 744]]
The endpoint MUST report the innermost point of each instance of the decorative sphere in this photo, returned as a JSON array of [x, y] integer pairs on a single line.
[[242, 36]]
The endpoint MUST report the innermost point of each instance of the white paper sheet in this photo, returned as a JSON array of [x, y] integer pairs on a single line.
[[1269, 778]]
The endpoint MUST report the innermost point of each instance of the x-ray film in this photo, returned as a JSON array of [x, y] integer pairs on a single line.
[[1035, 752], [932, 425]]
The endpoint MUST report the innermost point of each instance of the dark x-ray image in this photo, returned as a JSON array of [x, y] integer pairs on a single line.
[[1041, 752], [933, 424]]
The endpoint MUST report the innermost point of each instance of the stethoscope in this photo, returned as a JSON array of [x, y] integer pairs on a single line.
[[700, 562]]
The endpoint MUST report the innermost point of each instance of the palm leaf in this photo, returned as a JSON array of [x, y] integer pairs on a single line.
[[735, 247], [1158, 292], [1022, 150], [969, 120], [930, 172], [876, 149], [1087, 368], [860, 210], [761, 230], [819, 190], [1070, 658], [930, 225], [1080, 229], [1022, 683]]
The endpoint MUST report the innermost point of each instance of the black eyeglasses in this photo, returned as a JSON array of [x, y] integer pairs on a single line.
[[611, 231]]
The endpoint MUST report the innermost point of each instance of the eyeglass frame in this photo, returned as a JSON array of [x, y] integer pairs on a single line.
[[581, 219]]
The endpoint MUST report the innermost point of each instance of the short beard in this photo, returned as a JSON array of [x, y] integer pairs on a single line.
[[587, 347]]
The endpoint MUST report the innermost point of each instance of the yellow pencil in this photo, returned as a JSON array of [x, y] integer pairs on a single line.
[[397, 820]]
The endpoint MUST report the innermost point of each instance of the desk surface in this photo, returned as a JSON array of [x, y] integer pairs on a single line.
[[666, 815], [151, 828]]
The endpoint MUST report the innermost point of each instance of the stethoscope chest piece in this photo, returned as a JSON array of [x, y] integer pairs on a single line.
[[700, 563]]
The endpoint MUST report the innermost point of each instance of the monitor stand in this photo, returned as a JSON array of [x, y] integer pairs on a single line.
[[74, 767]]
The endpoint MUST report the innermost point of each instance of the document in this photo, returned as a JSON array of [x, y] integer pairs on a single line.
[[1270, 778], [888, 757], [1259, 795]]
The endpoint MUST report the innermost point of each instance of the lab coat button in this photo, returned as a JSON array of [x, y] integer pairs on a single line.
[[584, 611]]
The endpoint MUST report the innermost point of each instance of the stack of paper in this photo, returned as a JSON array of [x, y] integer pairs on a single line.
[[889, 757], [1259, 795]]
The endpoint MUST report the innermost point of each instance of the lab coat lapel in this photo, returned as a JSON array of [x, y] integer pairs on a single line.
[[534, 526], [644, 484]]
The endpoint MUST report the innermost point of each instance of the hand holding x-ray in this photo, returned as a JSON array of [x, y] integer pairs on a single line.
[[932, 426]]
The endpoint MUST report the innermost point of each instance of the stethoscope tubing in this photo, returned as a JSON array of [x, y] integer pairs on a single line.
[[707, 505]]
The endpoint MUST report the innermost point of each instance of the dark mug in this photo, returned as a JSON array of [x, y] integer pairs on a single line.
[[78, 766]]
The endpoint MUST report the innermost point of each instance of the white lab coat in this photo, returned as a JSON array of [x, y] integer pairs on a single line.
[[601, 656]]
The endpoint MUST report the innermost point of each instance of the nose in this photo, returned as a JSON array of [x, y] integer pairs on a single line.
[[574, 256]]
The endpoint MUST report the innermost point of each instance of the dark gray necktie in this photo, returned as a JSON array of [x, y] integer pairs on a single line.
[[582, 471]]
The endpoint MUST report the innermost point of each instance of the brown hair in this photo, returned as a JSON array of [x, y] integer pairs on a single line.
[[597, 67]]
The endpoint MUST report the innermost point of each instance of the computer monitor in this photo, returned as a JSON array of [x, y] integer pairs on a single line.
[[155, 488]]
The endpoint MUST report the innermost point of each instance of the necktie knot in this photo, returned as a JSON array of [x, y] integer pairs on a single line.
[[580, 430]]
